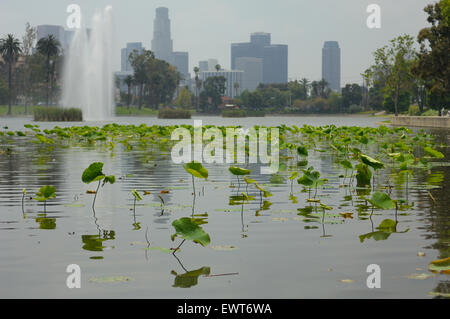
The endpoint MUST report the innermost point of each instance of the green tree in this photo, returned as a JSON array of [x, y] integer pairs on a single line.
[[218, 67], [10, 50], [49, 47], [236, 88], [393, 66], [433, 63], [306, 86], [197, 85], [351, 95], [184, 99], [214, 88], [129, 81], [142, 64], [27, 45]]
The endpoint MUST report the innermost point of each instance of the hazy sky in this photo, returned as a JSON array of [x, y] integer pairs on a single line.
[[206, 28]]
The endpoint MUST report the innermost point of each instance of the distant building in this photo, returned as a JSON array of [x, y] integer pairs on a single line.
[[162, 44], [274, 57], [253, 72], [122, 76], [231, 77], [125, 64], [181, 62], [331, 65], [203, 66], [58, 32], [212, 64]]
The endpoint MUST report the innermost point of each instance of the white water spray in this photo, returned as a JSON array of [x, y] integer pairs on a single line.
[[88, 70]]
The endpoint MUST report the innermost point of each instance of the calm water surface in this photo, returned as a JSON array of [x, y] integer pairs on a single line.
[[274, 253]]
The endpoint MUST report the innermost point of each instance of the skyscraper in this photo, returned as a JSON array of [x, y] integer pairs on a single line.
[[162, 44], [274, 57], [331, 65], [253, 72], [125, 53]]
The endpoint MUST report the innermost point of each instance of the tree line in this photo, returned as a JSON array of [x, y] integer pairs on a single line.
[[27, 74]]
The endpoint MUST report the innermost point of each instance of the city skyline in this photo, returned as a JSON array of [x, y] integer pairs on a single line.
[[207, 28]]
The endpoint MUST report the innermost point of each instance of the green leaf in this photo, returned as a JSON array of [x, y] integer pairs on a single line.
[[363, 175], [370, 161], [239, 171], [249, 180], [93, 173], [441, 265], [190, 278], [109, 179], [346, 164], [382, 200], [433, 152], [293, 176], [45, 193], [302, 150], [196, 170], [187, 229], [136, 195]]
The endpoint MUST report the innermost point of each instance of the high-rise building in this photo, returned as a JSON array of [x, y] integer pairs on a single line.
[[203, 66], [253, 72], [43, 31], [331, 65], [231, 77], [125, 64], [181, 62], [274, 56], [275, 65], [162, 44]]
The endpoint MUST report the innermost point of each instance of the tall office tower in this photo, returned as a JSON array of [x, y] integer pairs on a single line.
[[274, 56], [260, 38], [125, 64], [57, 31], [162, 44], [253, 72], [331, 65], [203, 66], [181, 62], [275, 65]]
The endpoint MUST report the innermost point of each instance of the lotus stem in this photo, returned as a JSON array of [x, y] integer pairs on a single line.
[[95, 196]]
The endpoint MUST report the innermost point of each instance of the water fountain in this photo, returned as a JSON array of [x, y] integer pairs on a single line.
[[88, 69]]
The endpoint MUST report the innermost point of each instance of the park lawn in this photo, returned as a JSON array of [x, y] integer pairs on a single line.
[[16, 110]]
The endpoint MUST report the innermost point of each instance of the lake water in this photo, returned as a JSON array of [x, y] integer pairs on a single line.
[[253, 254]]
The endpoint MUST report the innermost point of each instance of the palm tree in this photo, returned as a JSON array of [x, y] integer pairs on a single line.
[[323, 84], [49, 47], [305, 86], [236, 88], [129, 81], [196, 70], [315, 91], [10, 50]]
